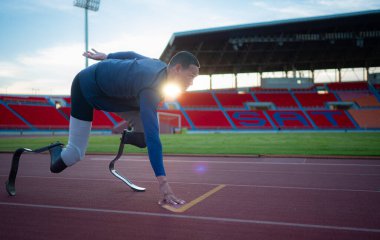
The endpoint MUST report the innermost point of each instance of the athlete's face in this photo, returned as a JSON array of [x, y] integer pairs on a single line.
[[184, 76]]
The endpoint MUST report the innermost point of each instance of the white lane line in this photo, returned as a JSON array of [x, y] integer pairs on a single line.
[[269, 172], [245, 162], [178, 216], [209, 184]]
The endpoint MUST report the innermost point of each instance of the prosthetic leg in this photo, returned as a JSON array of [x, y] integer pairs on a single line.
[[10, 184], [128, 137]]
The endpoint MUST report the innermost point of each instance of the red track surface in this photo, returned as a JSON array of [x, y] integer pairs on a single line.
[[265, 198]]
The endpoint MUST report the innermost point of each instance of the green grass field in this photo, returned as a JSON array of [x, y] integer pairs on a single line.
[[354, 144]]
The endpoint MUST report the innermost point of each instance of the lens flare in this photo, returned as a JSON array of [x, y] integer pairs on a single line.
[[200, 168], [171, 91]]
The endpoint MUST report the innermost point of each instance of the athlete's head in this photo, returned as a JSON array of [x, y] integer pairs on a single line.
[[183, 68]]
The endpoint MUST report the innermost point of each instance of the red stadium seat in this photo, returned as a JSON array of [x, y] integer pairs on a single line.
[[197, 99], [290, 119], [8, 120], [282, 100], [101, 120], [45, 117], [362, 98], [67, 99], [315, 100], [330, 119], [205, 119], [234, 100], [116, 117], [22, 99], [249, 119]]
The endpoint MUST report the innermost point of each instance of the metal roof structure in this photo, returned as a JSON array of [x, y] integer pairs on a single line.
[[338, 41]]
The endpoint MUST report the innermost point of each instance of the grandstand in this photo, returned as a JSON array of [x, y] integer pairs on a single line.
[[308, 44], [219, 110]]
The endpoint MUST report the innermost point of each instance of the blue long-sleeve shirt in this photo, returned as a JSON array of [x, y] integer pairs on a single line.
[[148, 102], [148, 113], [128, 81]]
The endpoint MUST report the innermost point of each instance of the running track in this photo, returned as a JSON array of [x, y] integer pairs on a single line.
[[264, 198]]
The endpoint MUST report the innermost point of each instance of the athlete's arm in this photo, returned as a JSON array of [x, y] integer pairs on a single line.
[[99, 56], [148, 112], [148, 104], [125, 55]]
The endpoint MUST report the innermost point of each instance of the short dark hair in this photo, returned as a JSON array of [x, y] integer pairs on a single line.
[[185, 59]]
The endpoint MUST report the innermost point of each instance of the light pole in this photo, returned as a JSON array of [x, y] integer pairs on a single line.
[[92, 5]]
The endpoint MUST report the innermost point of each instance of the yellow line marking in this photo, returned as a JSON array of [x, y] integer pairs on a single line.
[[194, 202]]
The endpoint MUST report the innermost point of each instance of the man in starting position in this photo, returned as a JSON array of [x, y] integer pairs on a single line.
[[130, 85]]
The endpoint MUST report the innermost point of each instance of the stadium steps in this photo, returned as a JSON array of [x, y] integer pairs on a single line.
[[223, 111], [374, 91], [11, 119], [303, 110]]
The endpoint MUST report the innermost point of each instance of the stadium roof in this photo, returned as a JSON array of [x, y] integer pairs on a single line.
[[347, 40]]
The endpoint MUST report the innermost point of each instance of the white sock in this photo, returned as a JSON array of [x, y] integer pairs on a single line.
[[79, 133]]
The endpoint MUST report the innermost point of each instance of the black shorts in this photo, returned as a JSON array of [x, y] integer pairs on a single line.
[[80, 108]]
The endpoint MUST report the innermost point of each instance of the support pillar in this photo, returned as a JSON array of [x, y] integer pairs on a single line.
[[236, 81]]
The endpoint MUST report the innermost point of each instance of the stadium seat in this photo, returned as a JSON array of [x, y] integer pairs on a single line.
[[67, 99], [331, 119], [197, 99], [249, 119], [350, 96], [281, 100], [289, 119], [43, 117], [315, 100], [207, 119], [366, 118], [24, 100], [9, 120], [204, 112], [116, 117], [234, 100], [101, 120], [369, 101]]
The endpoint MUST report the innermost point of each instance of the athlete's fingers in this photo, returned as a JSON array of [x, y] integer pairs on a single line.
[[94, 50], [166, 201], [178, 200]]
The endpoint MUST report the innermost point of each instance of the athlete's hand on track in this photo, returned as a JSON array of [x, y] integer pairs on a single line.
[[168, 196], [95, 55]]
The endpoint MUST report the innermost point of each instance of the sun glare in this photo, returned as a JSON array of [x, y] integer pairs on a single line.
[[171, 91]]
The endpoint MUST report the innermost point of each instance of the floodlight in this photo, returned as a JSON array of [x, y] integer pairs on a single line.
[[92, 5]]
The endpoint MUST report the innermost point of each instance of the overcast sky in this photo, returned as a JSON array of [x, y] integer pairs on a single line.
[[42, 41]]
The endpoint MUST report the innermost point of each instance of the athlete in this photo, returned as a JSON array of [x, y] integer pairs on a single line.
[[130, 85]]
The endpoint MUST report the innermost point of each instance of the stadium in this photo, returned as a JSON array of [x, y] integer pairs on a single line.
[[295, 49], [293, 137]]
